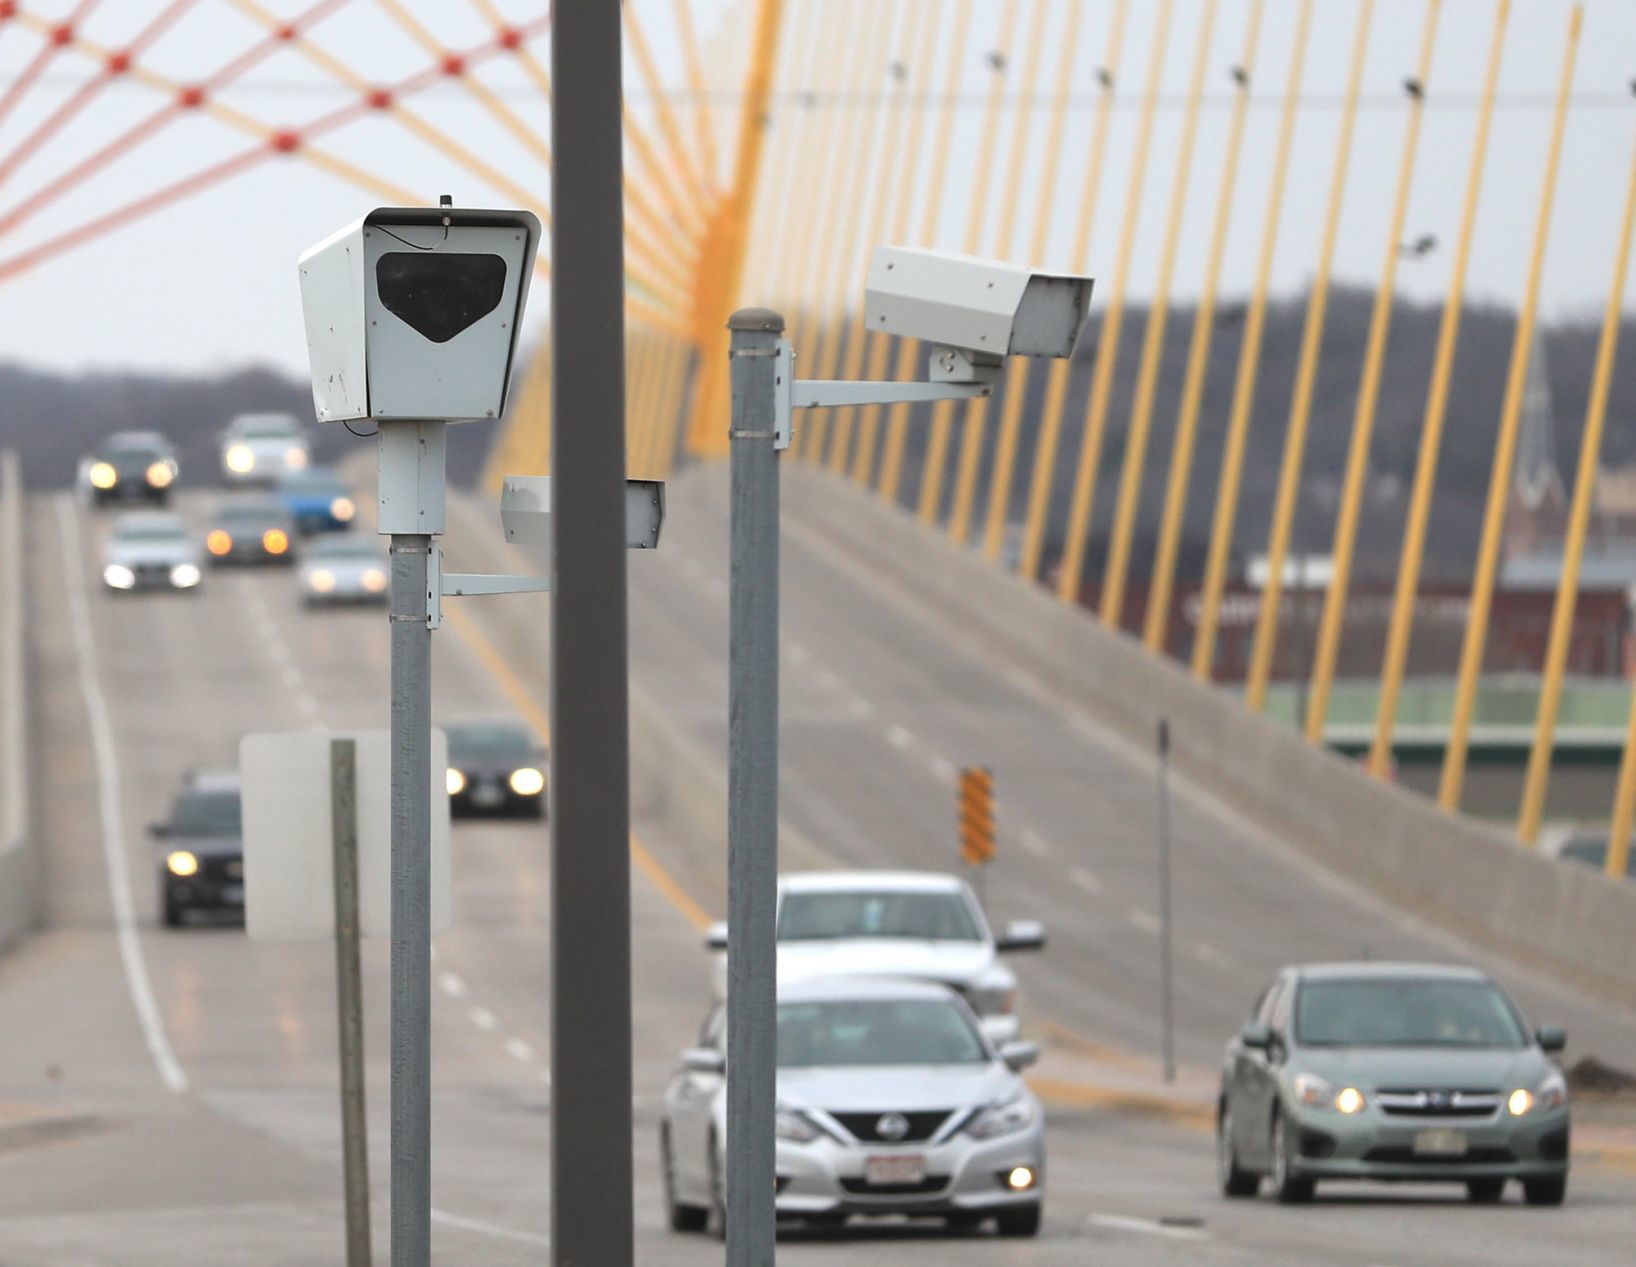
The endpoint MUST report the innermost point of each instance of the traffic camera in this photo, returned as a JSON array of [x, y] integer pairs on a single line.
[[412, 313]]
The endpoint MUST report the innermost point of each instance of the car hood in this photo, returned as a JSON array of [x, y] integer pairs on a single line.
[[955, 962], [152, 553], [205, 846], [1413, 1067], [905, 1088]]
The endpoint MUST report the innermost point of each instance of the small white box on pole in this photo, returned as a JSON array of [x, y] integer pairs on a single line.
[[289, 881]]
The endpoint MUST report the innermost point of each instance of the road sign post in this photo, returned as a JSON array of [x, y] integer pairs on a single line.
[[976, 817], [349, 1002]]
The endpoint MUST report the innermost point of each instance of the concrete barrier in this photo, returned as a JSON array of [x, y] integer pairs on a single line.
[[18, 870], [1465, 877]]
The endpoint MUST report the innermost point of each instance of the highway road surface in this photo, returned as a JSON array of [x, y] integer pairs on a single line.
[[169, 1096]]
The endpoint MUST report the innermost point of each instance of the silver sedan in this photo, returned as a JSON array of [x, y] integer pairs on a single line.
[[890, 1101]]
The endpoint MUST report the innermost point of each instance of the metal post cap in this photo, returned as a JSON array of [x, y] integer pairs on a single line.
[[757, 319]]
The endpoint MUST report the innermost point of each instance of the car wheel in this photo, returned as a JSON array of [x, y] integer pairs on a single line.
[[1235, 1181], [1485, 1191], [1020, 1220], [1545, 1191], [1290, 1188], [681, 1218]]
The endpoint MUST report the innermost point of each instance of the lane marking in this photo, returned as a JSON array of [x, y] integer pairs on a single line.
[[1147, 921], [484, 1019], [1035, 843], [1085, 880], [497, 1230], [899, 736], [1148, 1227], [1086, 727], [1206, 953], [517, 1049], [452, 985], [861, 708], [137, 980], [829, 680]]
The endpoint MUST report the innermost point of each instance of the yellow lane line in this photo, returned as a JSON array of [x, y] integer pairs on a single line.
[[1072, 1093], [525, 703]]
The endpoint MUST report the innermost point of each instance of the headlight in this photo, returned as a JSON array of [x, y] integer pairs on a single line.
[[1004, 1118], [1550, 1094], [992, 1000], [218, 542], [455, 781], [183, 863], [1520, 1102], [184, 576], [160, 475], [373, 580], [343, 509], [240, 459], [321, 580], [793, 1125], [1315, 1092], [527, 782], [1349, 1100], [118, 576], [275, 541], [295, 458], [102, 475]]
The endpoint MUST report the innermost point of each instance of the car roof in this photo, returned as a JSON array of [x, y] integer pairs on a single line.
[[871, 881], [211, 779], [834, 989], [1374, 970], [133, 439], [241, 422]]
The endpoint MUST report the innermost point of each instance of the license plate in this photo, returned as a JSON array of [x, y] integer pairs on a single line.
[[233, 893], [1440, 1143], [487, 795], [893, 1170]]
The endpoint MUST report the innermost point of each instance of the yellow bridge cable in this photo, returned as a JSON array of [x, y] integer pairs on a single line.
[[688, 35], [792, 128], [676, 144]]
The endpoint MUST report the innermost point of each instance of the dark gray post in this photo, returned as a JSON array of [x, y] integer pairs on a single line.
[[411, 902], [1167, 1036], [349, 998], [590, 761], [752, 791]]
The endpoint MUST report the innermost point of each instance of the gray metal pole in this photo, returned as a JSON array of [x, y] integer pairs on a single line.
[[591, 1165], [349, 999], [752, 792], [1167, 1035], [411, 903]]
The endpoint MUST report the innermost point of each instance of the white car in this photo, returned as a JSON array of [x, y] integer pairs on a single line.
[[151, 549], [262, 449], [890, 1101], [344, 568], [916, 924]]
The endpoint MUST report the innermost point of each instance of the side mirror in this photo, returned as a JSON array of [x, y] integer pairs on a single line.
[[1021, 934], [1019, 1056], [1551, 1037], [715, 937], [1256, 1035], [703, 1060]]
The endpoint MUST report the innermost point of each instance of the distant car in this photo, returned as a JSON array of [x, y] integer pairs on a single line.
[[129, 466], [344, 568], [890, 1101], [1590, 849], [918, 924], [1394, 1072], [495, 767], [259, 530], [202, 867], [319, 500], [151, 549], [261, 448]]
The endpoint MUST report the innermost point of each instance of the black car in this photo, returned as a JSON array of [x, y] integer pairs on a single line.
[[201, 866], [495, 767], [130, 466], [255, 530]]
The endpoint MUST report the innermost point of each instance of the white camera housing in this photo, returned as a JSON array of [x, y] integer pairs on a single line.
[[975, 311], [412, 313], [526, 512]]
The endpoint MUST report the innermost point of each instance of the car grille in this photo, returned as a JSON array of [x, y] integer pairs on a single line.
[[1402, 1155], [223, 870], [1437, 1102], [928, 1186], [151, 573], [865, 1126]]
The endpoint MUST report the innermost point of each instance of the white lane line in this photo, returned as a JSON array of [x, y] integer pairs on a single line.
[[275, 646], [829, 680], [517, 1049], [1147, 921], [942, 769], [1085, 880], [1149, 1227], [861, 708], [137, 980], [452, 985], [1035, 843], [497, 1230], [1086, 727], [291, 676], [899, 736], [484, 1019], [1206, 953]]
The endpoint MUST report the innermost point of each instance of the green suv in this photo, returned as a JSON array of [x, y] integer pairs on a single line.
[[1395, 1072]]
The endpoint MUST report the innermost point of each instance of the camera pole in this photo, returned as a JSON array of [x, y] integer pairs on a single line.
[[752, 788]]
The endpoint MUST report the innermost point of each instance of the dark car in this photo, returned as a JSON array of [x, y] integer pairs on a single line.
[[257, 530], [129, 466], [495, 767], [318, 499], [202, 864], [1590, 849]]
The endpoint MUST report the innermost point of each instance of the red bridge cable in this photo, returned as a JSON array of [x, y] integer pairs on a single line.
[[55, 41]]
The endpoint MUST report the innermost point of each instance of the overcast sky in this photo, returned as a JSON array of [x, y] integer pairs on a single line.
[[209, 281]]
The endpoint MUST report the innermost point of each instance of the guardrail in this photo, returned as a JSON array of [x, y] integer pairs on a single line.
[[1458, 874], [17, 869]]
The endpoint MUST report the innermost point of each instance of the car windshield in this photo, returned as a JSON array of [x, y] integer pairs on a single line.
[[876, 1032], [497, 740], [1405, 1012], [132, 448], [214, 813], [886, 913]]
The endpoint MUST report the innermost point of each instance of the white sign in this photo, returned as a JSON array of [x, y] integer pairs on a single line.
[[289, 876]]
